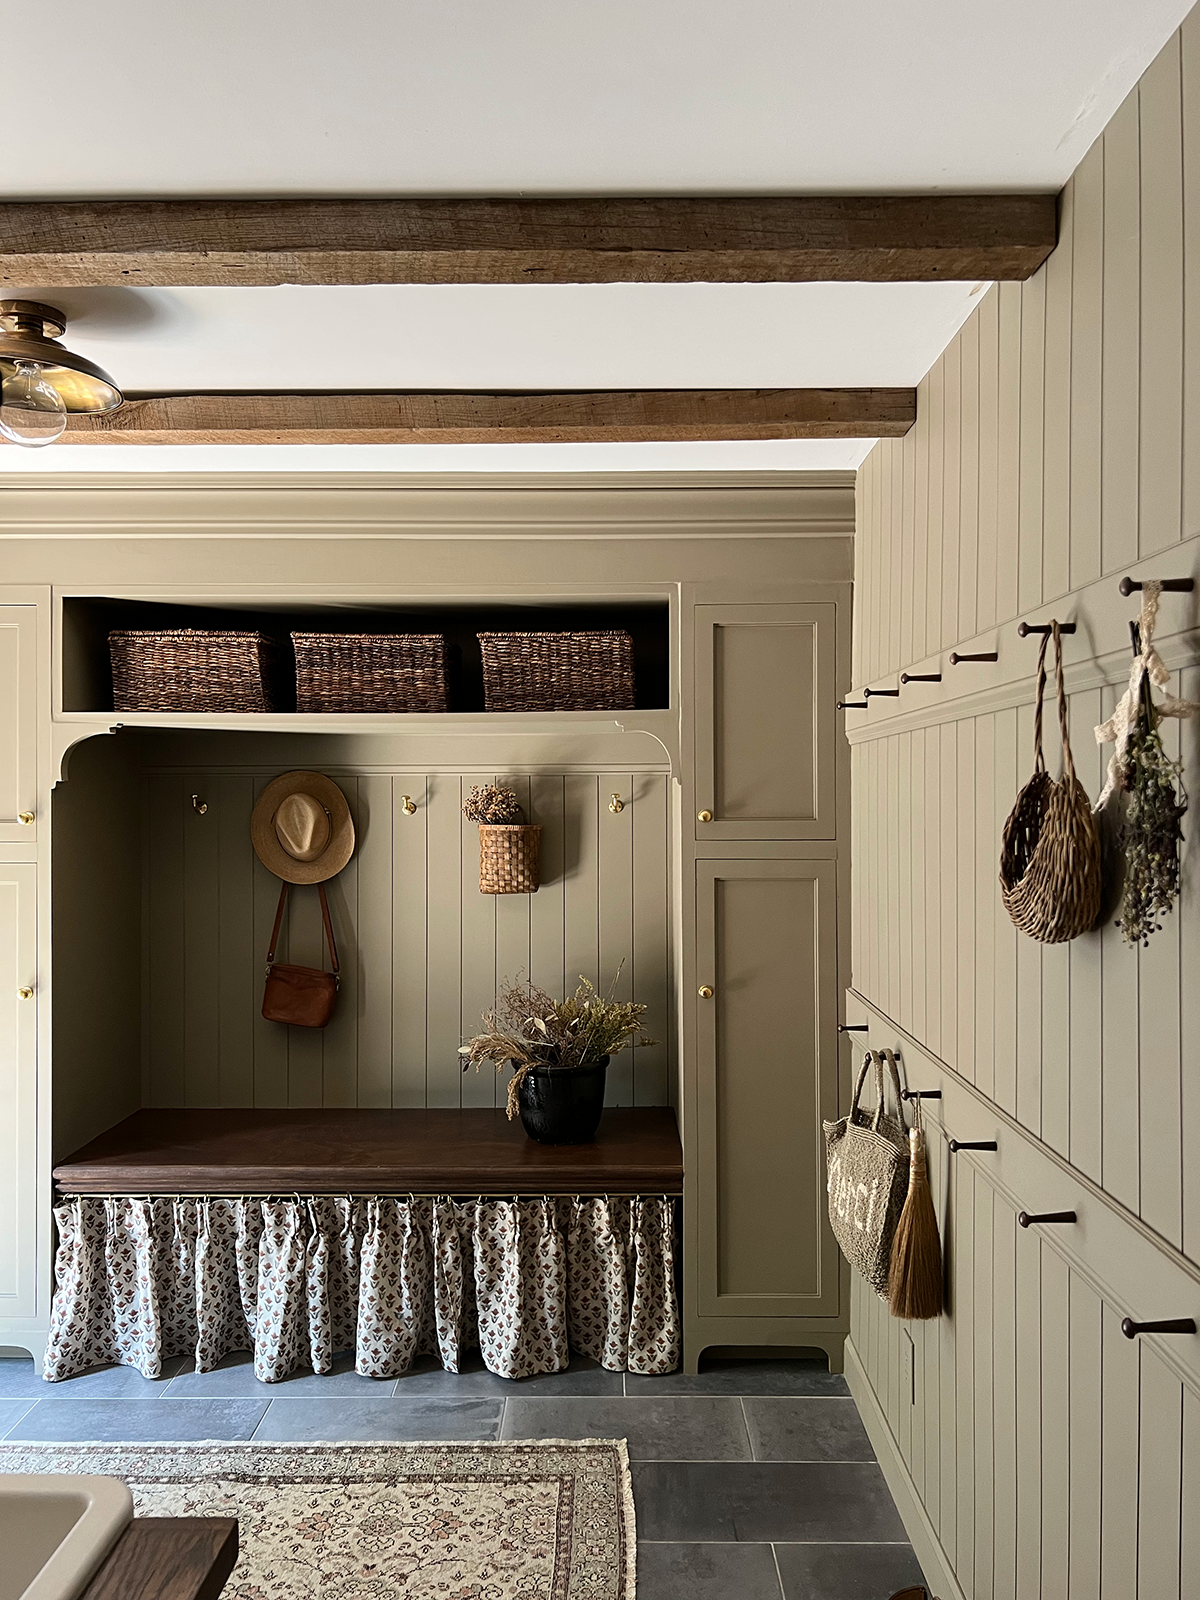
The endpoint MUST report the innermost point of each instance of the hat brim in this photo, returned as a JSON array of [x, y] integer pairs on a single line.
[[266, 841]]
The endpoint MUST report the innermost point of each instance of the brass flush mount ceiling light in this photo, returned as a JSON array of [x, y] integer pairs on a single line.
[[40, 380]]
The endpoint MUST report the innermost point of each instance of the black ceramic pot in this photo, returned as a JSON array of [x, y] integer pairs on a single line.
[[562, 1106]]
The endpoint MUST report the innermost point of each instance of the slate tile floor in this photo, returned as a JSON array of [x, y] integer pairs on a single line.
[[752, 1481]]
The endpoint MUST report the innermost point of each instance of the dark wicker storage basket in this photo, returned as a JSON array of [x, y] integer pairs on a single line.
[[509, 857], [370, 671], [589, 671], [194, 669]]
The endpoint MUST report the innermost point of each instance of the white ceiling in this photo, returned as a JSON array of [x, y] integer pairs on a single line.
[[279, 97]]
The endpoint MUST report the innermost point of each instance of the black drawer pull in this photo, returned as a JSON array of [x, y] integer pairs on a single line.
[[1028, 1218], [1131, 1329], [972, 1144]]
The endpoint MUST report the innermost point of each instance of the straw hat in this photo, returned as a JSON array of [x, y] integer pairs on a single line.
[[301, 827]]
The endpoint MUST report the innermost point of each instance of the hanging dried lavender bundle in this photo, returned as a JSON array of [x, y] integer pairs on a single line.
[[1151, 833]]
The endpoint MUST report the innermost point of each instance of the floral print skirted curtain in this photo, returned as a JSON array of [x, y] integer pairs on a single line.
[[526, 1281]]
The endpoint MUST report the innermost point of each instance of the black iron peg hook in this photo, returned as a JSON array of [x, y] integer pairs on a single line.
[[982, 655], [891, 694], [1028, 1218], [972, 1144], [920, 677], [920, 1094], [1130, 586], [852, 705], [1131, 1329], [854, 1027], [1024, 629]]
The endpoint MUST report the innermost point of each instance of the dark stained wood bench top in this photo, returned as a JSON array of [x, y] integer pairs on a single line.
[[168, 1558], [637, 1151]]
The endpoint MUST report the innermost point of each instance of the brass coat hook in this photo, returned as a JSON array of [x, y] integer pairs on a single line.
[[407, 804], [616, 805], [199, 806]]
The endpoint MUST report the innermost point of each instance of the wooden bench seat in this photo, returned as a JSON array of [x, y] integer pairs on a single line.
[[327, 1151]]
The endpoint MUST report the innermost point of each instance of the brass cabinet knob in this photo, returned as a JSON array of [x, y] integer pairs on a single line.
[[25, 817], [704, 816], [25, 993], [408, 805], [705, 991]]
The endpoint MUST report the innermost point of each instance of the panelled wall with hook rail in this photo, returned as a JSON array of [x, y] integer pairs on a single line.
[[135, 909], [1056, 452]]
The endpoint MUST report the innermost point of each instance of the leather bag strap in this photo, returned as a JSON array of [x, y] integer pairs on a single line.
[[333, 955]]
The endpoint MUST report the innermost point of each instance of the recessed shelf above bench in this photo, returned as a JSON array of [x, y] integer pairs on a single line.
[[334, 1151], [87, 620]]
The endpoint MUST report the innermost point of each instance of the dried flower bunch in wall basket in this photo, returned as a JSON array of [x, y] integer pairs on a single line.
[[1050, 851], [509, 847]]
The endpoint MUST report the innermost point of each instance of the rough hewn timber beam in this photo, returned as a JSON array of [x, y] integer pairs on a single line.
[[55, 244], [576, 418]]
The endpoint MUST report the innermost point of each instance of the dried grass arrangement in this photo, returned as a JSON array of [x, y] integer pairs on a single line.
[[529, 1028], [1050, 853], [1148, 781]]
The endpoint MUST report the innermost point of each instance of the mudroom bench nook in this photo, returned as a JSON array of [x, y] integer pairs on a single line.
[[392, 1233]]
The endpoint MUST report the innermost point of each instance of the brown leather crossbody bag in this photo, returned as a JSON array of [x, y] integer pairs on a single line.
[[302, 996]]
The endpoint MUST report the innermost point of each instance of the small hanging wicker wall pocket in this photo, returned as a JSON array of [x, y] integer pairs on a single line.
[[1050, 854]]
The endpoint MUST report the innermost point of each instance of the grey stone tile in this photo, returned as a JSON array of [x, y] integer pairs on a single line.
[[764, 1500], [810, 1429], [11, 1412], [706, 1572], [95, 1421], [696, 1428], [745, 1377], [582, 1377], [18, 1380], [235, 1378], [846, 1571], [304, 1420]]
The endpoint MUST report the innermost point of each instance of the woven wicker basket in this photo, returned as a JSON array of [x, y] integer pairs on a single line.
[[194, 669], [509, 857], [588, 671], [1050, 869], [370, 671]]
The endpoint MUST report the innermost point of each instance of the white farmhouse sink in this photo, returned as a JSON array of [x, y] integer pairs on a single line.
[[55, 1530]]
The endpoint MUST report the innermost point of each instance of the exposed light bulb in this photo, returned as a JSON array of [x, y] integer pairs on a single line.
[[31, 410]]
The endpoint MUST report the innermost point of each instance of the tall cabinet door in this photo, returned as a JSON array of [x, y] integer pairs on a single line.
[[767, 1075], [765, 762], [18, 1075], [18, 724]]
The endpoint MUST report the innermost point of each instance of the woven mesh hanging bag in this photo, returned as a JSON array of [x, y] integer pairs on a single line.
[[1050, 854]]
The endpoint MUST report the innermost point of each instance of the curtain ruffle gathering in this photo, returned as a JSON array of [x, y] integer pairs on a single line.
[[524, 1281]]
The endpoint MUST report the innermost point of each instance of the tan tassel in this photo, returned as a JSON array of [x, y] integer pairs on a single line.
[[915, 1276]]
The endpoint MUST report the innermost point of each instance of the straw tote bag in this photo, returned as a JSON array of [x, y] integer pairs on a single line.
[[867, 1158], [1050, 854]]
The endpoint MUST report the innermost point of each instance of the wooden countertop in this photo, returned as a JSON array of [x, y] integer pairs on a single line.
[[636, 1151], [168, 1558]]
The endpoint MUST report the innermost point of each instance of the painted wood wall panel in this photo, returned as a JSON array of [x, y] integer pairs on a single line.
[[1057, 446], [421, 950]]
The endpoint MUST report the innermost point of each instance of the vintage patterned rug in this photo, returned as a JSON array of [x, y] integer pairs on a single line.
[[548, 1520]]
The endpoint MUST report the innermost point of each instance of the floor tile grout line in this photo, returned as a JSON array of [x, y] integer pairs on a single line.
[[746, 1427], [778, 1574]]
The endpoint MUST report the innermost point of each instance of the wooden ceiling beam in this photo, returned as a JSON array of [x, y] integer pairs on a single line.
[[572, 418], [771, 239]]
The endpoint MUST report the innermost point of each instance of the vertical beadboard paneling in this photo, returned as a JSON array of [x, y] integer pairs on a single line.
[[1087, 363], [1032, 409], [1121, 354], [1056, 426], [1161, 389], [1086, 1381], [1056, 446], [421, 949], [988, 318]]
